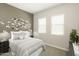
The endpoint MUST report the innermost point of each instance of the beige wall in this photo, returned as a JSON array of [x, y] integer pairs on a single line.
[[7, 12], [71, 18]]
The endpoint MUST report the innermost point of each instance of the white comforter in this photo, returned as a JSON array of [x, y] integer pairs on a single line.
[[25, 47]]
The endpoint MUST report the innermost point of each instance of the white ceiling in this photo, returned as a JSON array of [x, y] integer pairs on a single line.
[[33, 7]]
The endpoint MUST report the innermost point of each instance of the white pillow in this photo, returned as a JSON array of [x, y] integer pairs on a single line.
[[15, 35], [26, 34], [20, 35]]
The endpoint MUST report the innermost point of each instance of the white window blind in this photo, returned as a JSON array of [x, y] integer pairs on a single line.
[[42, 25], [57, 25]]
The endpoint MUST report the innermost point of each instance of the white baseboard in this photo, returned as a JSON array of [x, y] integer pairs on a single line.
[[64, 49]]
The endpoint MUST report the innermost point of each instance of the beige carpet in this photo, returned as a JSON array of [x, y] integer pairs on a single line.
[[50, 51]]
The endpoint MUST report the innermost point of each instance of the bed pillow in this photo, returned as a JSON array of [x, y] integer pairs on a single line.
[[26, 34], [20, 35], [16, 35]]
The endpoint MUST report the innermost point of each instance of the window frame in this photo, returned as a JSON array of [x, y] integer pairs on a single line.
[[41, 25], [60, 24]]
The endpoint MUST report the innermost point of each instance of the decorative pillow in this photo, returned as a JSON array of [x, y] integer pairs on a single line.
[[15, 35], [20, 35], [25, 34]]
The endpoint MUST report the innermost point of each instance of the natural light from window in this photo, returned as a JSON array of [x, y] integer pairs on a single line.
[[57, 25], [42, 25]]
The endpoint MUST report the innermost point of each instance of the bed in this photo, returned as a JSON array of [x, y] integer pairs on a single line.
[[25, 46]]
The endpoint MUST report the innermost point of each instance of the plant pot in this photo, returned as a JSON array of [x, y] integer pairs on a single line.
[[76, 49]]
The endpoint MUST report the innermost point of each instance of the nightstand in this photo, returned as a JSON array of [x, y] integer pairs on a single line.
[[32, 36], [4, 47]]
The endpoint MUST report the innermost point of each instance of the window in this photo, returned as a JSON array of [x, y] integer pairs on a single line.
[[57, 27], [42, 25]]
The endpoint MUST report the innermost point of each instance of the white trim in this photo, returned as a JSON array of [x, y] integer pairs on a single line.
[[57, 47]]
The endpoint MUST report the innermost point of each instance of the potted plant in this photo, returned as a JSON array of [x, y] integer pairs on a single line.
[[74, 40], [73, 36]]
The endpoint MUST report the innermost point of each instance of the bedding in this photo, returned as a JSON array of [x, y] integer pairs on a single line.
[[26, 47], [37, 52], [20, 35]]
